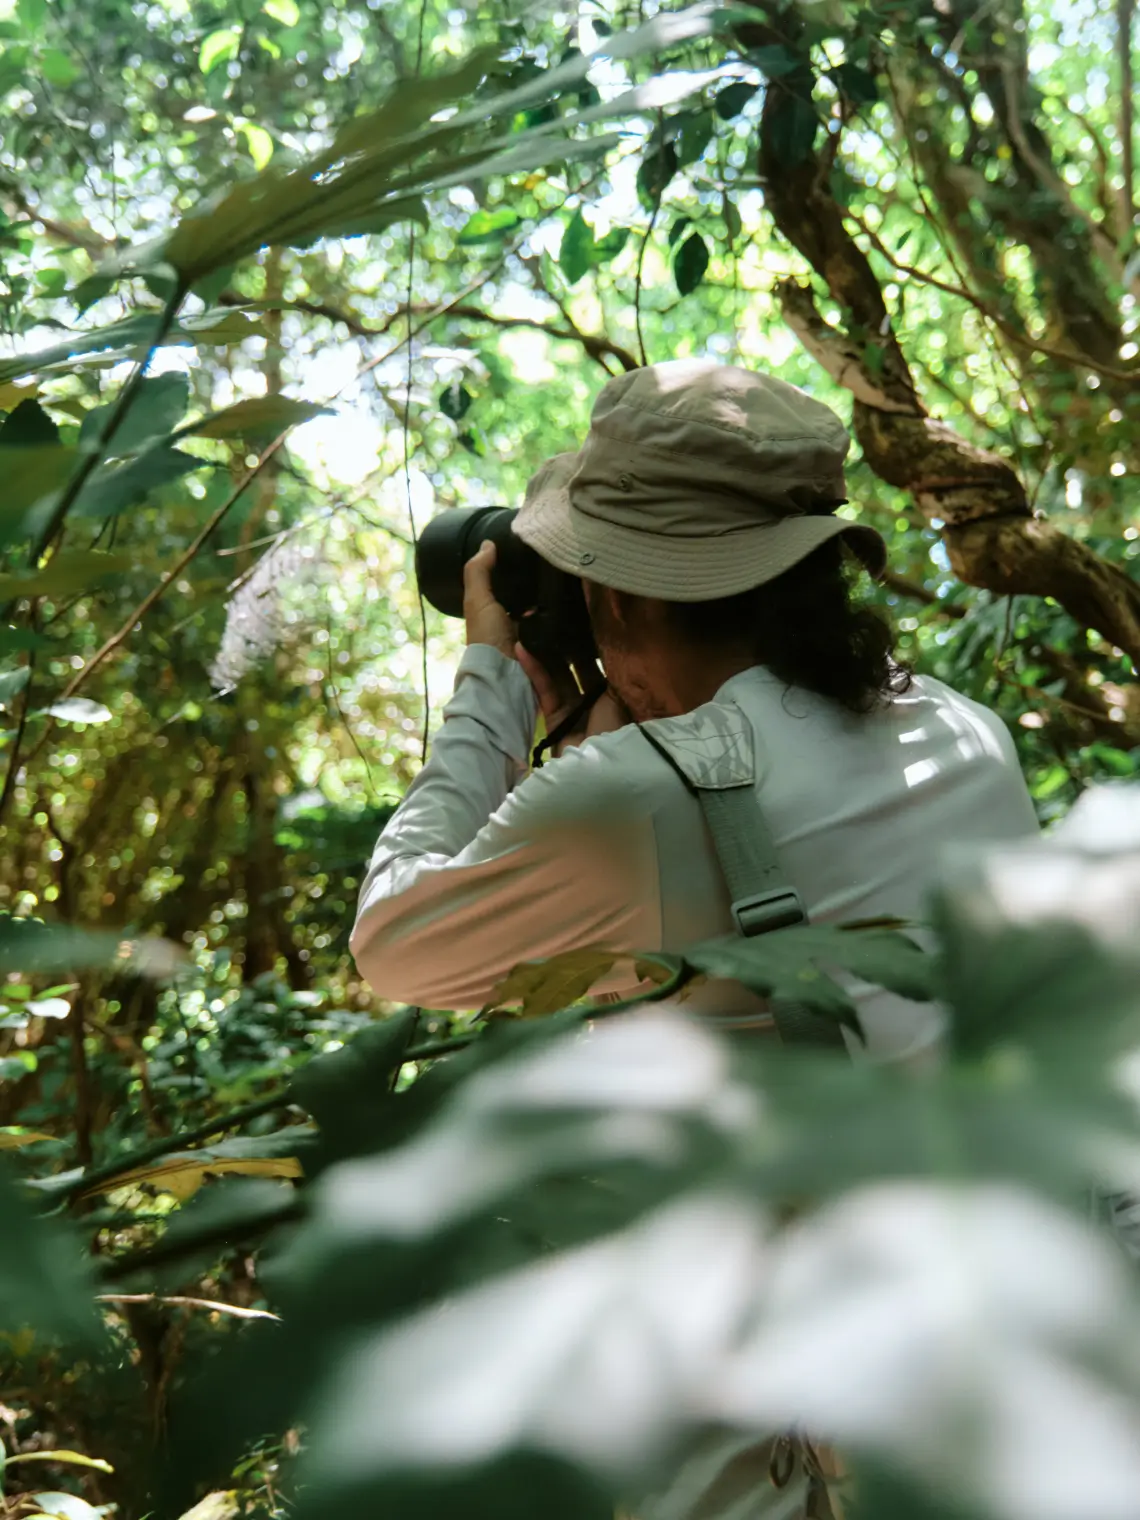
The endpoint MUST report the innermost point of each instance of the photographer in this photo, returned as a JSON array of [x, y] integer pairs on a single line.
[[700, 515]]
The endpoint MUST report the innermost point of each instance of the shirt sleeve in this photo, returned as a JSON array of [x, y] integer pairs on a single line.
[[479, 869]]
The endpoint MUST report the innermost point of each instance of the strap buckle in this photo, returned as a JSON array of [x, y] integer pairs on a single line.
[[765, 911]]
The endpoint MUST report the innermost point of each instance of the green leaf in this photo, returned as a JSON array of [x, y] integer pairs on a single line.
[[454, 400], [608, 247], [30, 946], [488, 227], [343, 1090], [30, 475], [72, 1458], [14, 1138], [158, 406], [689, 263], [44, 1282], [693, 136], [776, 60], [12, 683], [58, 68], [730, 102], [219, 47], [785, 965], [124, 337], [260, 416], [858, 84], [68, 570], [16, 640], [655, 173], [77, 710], [733, 226], [574, 254], [32, 14], [582, 250], [678, 229], [110, 492], [26, 425], [790, 128], [89, 291], [285, 11], [13, 68], [259, 143]]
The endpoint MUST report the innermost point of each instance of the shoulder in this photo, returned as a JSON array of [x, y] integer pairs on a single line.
[[612, 778], [962, 716]]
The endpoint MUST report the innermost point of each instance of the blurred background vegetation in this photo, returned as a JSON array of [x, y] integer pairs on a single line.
[[215, 675]]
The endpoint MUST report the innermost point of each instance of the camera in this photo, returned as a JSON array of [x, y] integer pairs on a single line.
[[547, 605]]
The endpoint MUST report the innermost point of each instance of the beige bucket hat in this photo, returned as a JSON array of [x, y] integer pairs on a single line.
[[696, 480]]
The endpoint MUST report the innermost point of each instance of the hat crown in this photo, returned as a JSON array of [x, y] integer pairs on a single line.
[[696, 480], [715, 429]]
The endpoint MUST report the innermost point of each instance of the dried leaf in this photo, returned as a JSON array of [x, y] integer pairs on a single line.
[[545, 987]]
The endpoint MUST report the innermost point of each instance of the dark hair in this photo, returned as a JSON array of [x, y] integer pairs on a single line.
[[806, 629]]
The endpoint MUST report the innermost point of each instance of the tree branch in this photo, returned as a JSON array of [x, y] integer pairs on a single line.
[[1125, 11], [596, 345]]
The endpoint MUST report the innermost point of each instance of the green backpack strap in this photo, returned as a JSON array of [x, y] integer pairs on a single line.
[[762, 897]]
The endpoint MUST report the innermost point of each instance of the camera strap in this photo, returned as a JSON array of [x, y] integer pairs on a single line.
[[762, 898], [573, 720]]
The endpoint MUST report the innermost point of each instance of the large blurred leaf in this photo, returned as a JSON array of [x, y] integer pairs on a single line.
[[259, 417], [30, 474], [31, 946], [124, 340], [158, 406], [112, 491], [68, 570], [379, 165], [44, 1283], [785, 965], [28, 426]]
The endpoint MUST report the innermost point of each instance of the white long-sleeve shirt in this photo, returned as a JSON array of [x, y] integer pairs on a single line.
[[483, 866]]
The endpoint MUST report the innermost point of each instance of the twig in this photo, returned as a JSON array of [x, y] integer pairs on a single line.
[[181, 1301], [169, 576], [597, 345], [915, 592], [637, 284]]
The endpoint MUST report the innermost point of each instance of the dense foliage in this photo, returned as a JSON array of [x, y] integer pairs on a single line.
[[278, 283]]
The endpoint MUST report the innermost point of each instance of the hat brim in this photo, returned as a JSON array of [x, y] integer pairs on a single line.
[[699, 568]]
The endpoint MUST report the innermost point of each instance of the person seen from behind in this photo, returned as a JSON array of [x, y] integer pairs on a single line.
[[700, 515]]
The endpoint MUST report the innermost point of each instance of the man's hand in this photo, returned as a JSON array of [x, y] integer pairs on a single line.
[[487, 621], [558, 695]]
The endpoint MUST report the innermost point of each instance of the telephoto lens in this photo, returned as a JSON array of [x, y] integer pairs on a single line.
[[547, 604]]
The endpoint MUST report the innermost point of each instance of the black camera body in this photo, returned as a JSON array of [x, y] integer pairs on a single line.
[[548, 605]]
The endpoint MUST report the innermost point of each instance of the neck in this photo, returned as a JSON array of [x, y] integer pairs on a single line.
[[681, 679]]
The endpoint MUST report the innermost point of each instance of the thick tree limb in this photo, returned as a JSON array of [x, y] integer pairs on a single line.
[[972, 495]]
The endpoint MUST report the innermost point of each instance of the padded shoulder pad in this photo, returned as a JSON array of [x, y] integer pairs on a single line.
[[712, 745]]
